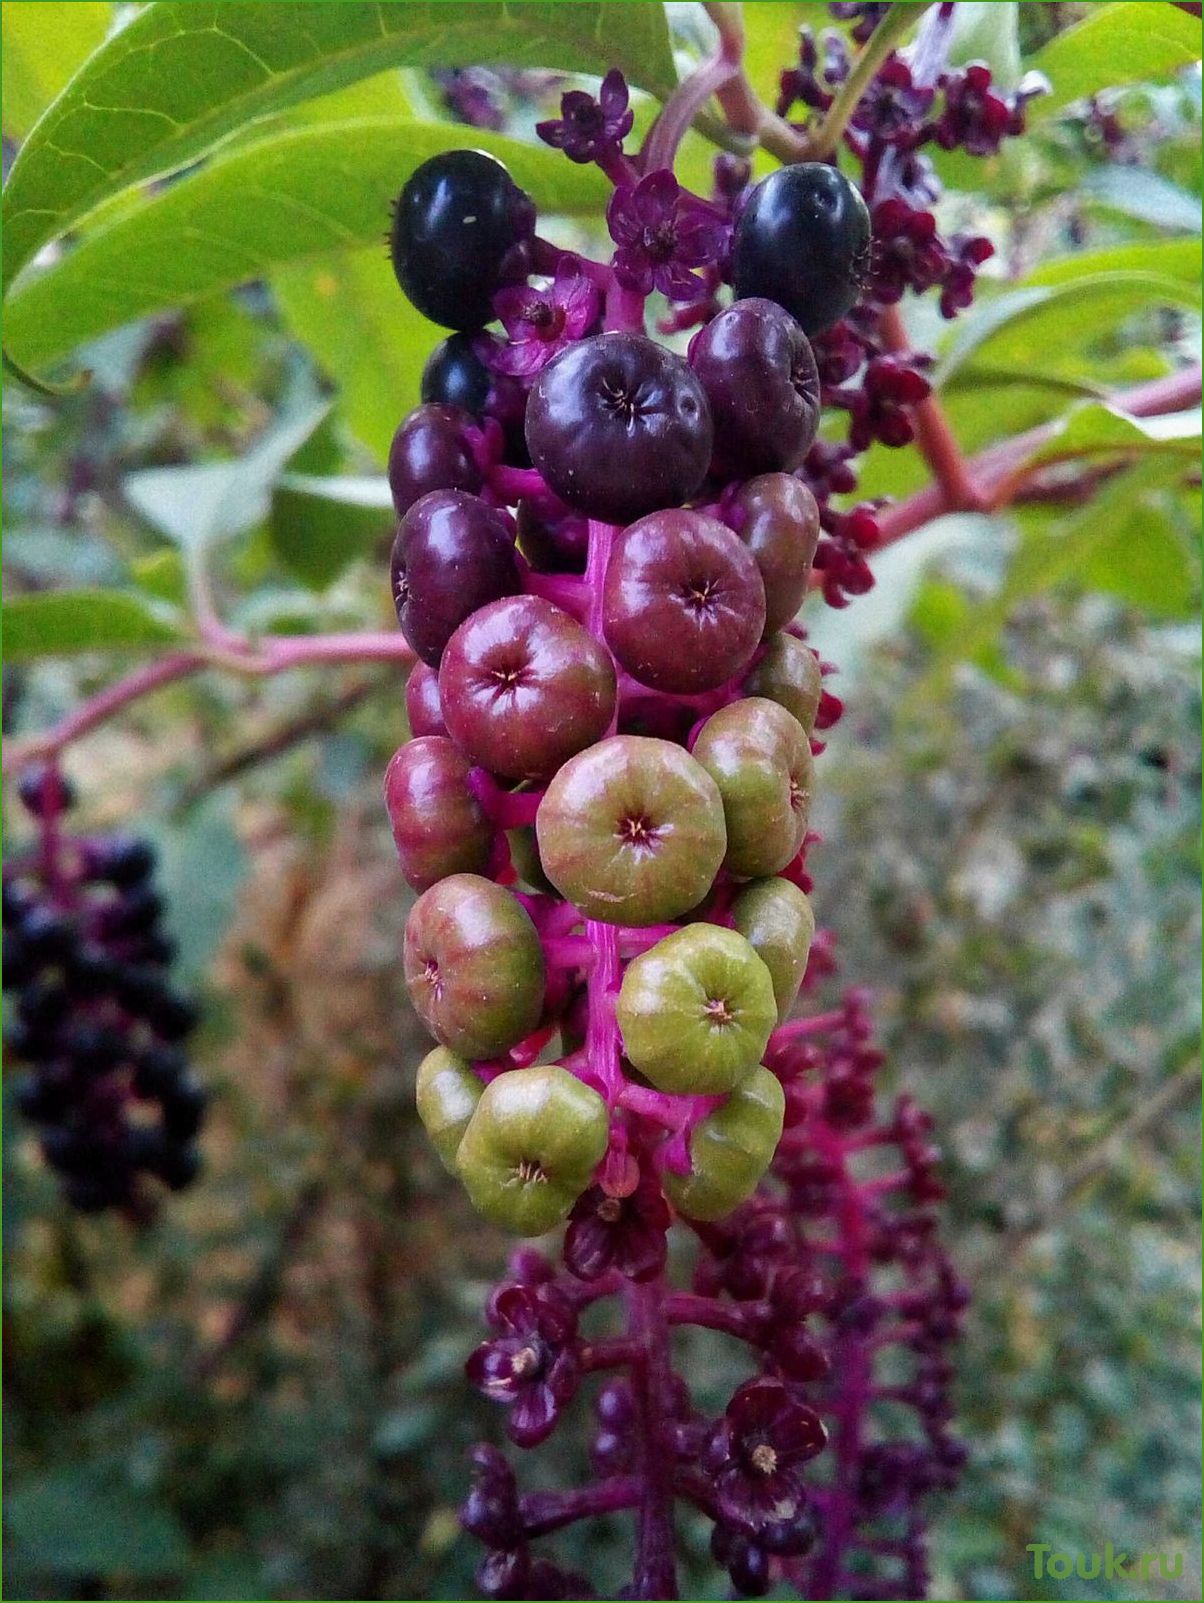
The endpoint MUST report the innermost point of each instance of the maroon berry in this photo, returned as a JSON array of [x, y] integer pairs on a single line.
[[439, 826], [431, 451], [778, 520], [524, 687], [760, 378], [684, 605], [423, 708], [452, 554], [619, 426]]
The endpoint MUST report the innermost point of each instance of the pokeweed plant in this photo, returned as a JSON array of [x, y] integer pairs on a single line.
[[603, 542]]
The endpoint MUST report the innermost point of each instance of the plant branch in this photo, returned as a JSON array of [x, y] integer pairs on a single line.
[[826, 139], [935, 438]]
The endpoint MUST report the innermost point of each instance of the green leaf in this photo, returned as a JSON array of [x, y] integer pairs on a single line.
[[1098, 430], [303, 192], [69, 1524], [1127, 41], [1169, 258], [44, 42], [320, 525], [985, 30], [1139, 193], [364, 335], [61, 622], [1124, 542], [179, 77], [198, 506], [1023, 326]]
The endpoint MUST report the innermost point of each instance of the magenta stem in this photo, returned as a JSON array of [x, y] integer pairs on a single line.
[[683, 1308], [681, 108], [543, 1512], [655, 1574]]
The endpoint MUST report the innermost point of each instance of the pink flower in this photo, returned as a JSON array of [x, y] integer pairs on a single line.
[[541, 322], [662, 232]]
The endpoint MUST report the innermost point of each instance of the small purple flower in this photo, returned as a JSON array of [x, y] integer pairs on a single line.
[[623, 1233], [893, 107], [756, 1453], [865, 18], [589, 129], [662, 231], [531, 1365], [541, 322], [908, 252], [975, 117], [957, 288]]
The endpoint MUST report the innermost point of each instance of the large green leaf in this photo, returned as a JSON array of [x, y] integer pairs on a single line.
[[320, 525], [1169, 258], [302, 192], [363, 332], [1099, 431], [1126, 41], [200, 505], [55, 623], [44, 42], [1031, 324], [180, 76]]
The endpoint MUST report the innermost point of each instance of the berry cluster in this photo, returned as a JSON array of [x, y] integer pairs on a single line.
[[838, 1289], [96, 1018], [601, 548]]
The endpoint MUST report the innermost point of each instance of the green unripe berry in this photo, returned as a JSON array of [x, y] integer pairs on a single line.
[[776, 918], [696, 1010], [531, 1146], [730, 1149], [447, 1093], [474, 967], [789, 674], [757, 754]]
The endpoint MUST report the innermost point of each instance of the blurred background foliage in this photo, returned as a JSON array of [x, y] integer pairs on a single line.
[[259, 1395]]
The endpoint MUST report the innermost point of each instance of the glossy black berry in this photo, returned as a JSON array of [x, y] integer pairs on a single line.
[[803, 240], [432, 450], [759, 373], [158, 1070], [184, 1108], [454, 375], [121, 860], [459, 233], [619, 427], [49, 936]]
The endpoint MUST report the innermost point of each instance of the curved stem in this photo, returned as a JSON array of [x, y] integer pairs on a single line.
[[826, 138]]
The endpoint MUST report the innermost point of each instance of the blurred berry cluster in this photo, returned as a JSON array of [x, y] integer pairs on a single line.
[[95, 1016]]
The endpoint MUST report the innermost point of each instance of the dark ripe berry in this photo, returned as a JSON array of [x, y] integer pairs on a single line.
[[524, 687], [176, 1164], [803, 240], [761, 381], [452, 554], [474, 967], [134, 912], [91, 972], [18, 901], [778, 519], [631, 831], [44, 791], [31, 1045], [458, 236], [43, 1004], [431, 451], [44, 1096], [684, 605], [553, 545], [184, 1108], [423, 708], [157, 1071], [439, 826], [94, 1048], [455, 375], [49, 936], [154, 947], [619, 426], [172, 1015], [121, 860], [19, 968]]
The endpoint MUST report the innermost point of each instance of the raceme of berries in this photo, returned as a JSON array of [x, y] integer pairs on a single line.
[[602, 548], [96, 1019]]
